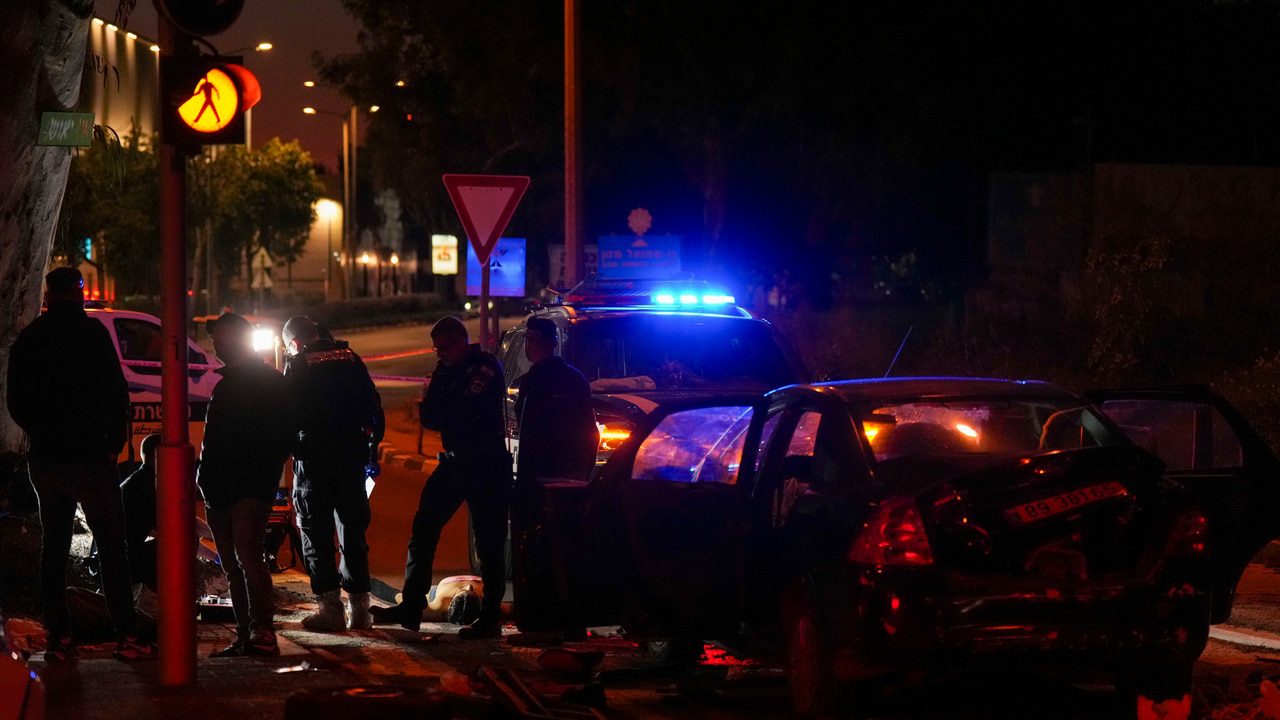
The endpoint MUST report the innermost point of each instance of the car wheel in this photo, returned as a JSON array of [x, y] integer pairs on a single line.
[[810, 676]]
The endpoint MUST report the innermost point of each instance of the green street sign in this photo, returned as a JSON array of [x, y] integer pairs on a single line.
[[64, 129]]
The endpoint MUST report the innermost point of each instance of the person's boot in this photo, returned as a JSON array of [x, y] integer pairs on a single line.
[[358, 617], [407, 617], [488, 626], [262, 643], [328, 616]]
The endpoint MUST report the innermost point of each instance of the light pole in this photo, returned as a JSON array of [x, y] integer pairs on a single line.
[[364, 261], [395, 274], [326, 210], [350, 139], [263, 46]]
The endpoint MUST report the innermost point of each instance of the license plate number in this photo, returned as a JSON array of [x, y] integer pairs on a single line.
[[1064, 502]]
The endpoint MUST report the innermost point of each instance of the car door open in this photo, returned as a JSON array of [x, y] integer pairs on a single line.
[[1210, 449]]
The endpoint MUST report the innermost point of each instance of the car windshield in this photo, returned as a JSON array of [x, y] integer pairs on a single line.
[[993, 426], [677, 351]]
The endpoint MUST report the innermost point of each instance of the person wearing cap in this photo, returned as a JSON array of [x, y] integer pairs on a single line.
[[340, 423], [67, 392], [248, 435], [464, 403], [558, 440]]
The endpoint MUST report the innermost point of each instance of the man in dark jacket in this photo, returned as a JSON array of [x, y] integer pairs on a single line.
[[248, 434], [67, 391], [464, 403], [558, 436], [558, 439], [340, 424]]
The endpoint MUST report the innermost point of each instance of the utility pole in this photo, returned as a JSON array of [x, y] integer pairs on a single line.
[[573, 270]]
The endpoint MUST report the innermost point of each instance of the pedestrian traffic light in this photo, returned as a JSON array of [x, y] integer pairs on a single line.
[[205, 98]]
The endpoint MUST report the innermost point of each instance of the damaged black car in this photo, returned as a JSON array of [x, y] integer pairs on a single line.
[[880, 529]]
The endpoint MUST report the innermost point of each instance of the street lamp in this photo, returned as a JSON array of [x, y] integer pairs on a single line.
[[395, 274], [365, 260], [327, 210]]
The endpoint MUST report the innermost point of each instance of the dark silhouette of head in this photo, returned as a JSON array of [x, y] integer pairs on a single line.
[[64, 286]]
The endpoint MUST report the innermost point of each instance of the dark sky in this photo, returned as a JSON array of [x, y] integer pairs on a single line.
[[296, 28]]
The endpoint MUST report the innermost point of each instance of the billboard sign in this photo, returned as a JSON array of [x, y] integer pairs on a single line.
[[631, 257], [444, 254], [506, 269]]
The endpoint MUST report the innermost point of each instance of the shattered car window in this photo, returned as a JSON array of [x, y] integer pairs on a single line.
[[703, 445], [1000, 426]]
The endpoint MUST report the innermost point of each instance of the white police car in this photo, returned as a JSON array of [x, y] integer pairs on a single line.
[[138, 340]]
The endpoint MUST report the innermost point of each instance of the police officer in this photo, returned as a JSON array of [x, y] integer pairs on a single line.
[[558, 439], [340, 424], [463, 402], [558, 436]]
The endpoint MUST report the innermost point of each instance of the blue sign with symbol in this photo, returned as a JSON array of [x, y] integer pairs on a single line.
[[506, 269], [632, 257]]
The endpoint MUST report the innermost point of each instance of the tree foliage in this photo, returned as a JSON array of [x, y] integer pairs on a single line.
[[112, 198], [254, 198]]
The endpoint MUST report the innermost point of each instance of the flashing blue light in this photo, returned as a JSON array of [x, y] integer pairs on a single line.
[[688, 299], [717, 299], [664, 299]]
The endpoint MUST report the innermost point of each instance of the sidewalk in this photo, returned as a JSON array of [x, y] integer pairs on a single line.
[[95, 686]]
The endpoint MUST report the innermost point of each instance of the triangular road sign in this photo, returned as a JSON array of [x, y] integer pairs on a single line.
[[485, 204]]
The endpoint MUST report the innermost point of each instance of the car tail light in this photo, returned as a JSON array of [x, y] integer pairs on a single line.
[[612, 435], [894, 535], [1190, 535]]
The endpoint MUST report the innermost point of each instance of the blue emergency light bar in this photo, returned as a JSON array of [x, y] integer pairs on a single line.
[[688, 299]]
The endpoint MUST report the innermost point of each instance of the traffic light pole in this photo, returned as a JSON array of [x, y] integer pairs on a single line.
[[175, 486]]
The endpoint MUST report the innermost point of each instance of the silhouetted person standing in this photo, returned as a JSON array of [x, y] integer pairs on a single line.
[[558, 436], [464, 403], [340, 422], [558, 439], [67, 391], [248, 435]]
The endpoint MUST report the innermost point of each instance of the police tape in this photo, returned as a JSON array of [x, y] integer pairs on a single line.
[[153, 364], [195, 366], [400, 378]]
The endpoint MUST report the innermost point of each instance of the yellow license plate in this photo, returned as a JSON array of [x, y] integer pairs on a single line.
[[1064, 502]]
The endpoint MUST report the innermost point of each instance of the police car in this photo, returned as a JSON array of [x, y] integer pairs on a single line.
[[641, 343], [139, 340]]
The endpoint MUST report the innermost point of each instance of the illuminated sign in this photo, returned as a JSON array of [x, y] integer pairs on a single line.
[[444, 254], [214, 102], [506, 269]]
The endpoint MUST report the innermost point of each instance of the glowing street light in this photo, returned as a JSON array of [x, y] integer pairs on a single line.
[[327, 210], [308, 83]]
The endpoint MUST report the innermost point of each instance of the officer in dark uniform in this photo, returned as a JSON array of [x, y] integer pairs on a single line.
[[558, 435], [558, 439], [340, 425], [463, 402]]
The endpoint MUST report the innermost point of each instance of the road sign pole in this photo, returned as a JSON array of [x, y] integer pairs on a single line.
[[484, 306]]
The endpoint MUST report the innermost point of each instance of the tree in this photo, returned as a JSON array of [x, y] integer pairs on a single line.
[[42, 51], [112, 193], [247, 199]]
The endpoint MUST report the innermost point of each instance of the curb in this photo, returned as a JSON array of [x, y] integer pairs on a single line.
[[1247, 637], [390, 456]]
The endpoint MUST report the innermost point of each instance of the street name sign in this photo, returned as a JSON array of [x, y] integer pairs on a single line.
[[65, 129]]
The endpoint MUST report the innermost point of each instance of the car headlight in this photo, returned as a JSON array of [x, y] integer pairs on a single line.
[[263, 339]]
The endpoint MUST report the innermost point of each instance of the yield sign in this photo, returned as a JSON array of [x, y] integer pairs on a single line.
[[485, 204]]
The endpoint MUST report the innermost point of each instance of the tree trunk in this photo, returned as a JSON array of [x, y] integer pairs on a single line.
[[42, 51]]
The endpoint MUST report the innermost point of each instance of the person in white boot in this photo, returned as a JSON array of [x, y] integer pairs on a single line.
[[340, 423]]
